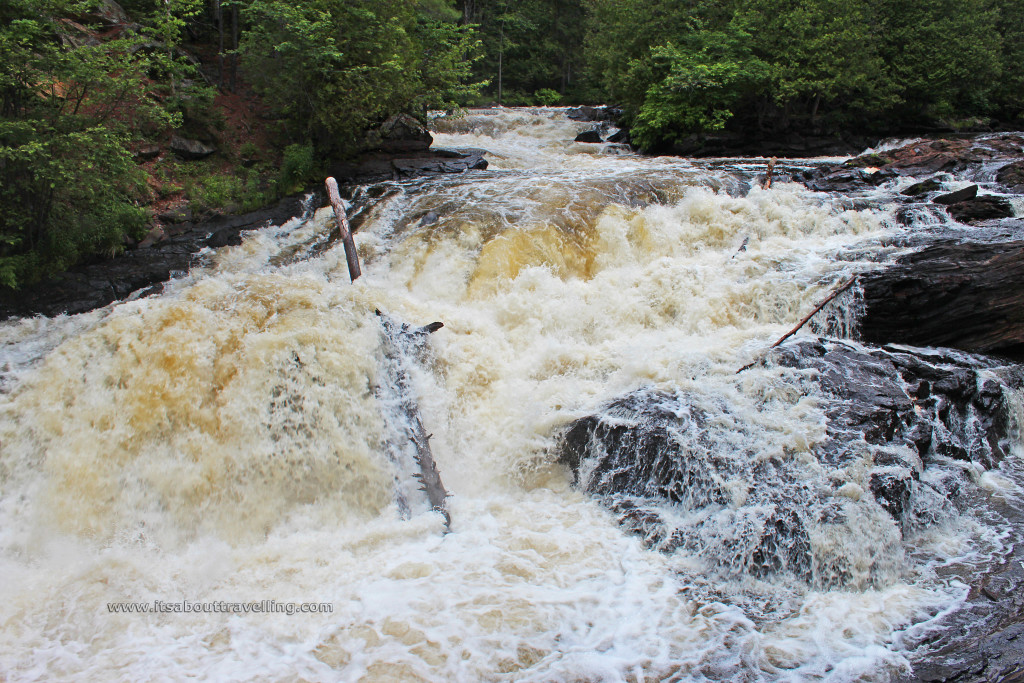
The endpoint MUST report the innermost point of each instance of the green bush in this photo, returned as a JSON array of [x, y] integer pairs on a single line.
[[546, 97], [298, 167]]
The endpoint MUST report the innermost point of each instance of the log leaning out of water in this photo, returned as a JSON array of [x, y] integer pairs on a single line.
[[343, 229], [835, 292], [964, 296]]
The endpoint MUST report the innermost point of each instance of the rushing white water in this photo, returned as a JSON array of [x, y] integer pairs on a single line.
[[223, 441]]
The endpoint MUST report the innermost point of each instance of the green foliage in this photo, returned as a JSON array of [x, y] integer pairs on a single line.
[[333, 68], [298, 168], [68, 184], [546, 97], [695, 90], [805, 65]]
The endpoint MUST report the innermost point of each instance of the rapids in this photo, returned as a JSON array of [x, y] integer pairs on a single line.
[[224, 441]]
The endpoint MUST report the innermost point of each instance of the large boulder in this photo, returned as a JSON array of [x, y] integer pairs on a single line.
[[189, 149], [965, 296]]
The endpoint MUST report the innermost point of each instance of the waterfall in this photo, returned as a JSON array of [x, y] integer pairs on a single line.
[[229, 441]]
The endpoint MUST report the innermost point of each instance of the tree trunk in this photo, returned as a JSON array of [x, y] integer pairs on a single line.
[[219, 11]]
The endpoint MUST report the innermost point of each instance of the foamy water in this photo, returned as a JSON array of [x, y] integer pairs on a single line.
[[222, 442]]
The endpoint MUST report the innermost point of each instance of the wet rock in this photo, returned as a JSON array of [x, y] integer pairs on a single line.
[[650, 449], [842, 179], [936, 402], [923, 187], [189, 149], [669, 465], [1012, 176], [592, 135], [399, 134], [224, 237], [587, 113], [619, 137], [922, 158], [378, 167], [429, 218], [983, 208], [963, 195], [980, 641], [965, 296]]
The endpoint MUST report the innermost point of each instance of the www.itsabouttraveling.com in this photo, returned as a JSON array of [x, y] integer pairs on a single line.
[[220, 607]]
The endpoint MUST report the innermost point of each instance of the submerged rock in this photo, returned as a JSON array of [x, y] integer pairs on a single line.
[[651, 448]]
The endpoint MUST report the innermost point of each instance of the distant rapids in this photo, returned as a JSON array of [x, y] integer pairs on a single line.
[[224, 441]]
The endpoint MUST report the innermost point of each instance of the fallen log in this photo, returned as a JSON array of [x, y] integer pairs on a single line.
[[407, 441], [343, 230], [835, 292]]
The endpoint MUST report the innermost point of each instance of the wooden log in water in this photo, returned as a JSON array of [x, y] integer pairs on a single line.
[[835, 292], [346, 235], [400, 341]]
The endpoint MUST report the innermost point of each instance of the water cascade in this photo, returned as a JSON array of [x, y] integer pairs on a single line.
[[243, 437]]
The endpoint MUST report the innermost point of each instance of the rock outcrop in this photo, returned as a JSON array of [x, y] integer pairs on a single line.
[[966, 296], [671, 466], [189, 149], [923, 158], [141, 270]]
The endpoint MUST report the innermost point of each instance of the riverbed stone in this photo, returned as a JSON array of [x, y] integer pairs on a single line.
[[592, 135], [984, 208], [962, 195]]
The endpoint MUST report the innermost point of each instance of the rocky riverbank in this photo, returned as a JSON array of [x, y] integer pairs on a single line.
[[402, 149]]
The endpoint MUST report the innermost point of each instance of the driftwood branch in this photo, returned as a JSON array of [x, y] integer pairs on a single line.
[[346, 235], [766, 183], [835, 292]]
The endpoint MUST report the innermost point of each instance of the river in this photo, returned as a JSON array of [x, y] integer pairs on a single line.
[[222, 442]]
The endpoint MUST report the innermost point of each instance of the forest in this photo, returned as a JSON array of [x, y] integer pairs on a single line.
[[86, 85]]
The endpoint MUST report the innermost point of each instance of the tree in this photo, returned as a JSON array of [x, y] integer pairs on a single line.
[[695, 88], [332, 68], [68, 110]]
